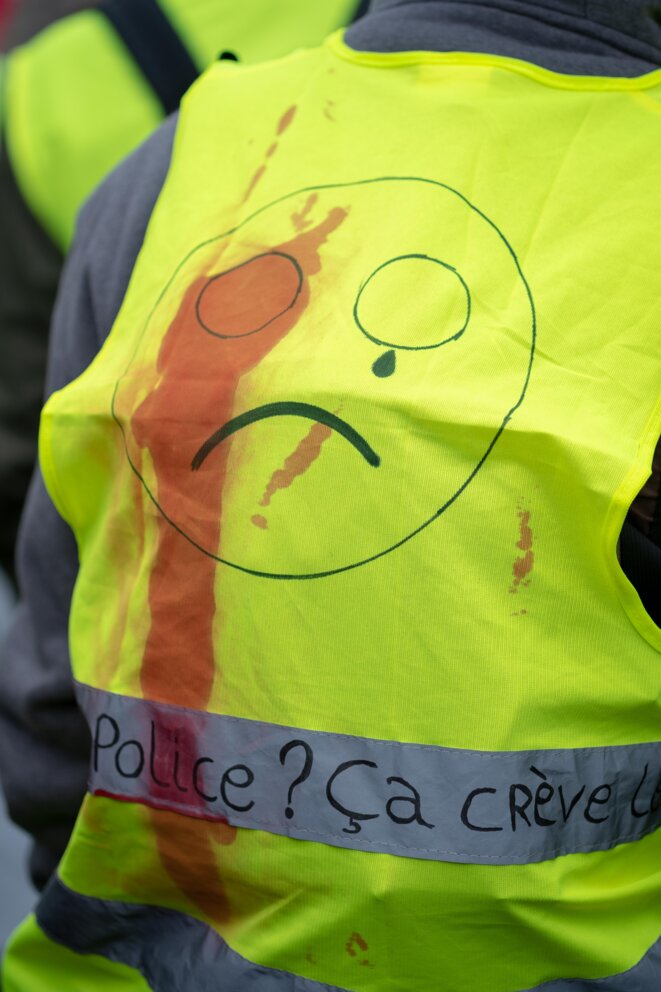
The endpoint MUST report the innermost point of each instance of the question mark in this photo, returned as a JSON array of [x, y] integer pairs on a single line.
[[307, 768]]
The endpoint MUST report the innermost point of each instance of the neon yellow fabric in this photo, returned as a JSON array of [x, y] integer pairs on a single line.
[[33, 963], [77, 103], [505, 623], [255, 30]]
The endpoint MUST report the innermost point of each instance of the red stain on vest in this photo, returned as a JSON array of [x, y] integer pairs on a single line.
[[523, 564], [301, 219], [286, 119], [283, 124], [355, 943], [298, 462], [195, 395]]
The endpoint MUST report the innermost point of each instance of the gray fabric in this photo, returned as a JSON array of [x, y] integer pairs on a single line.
[[32, 16], [178, 953], [409, 800], [30, 267], [585, 37], [172, 951], [40, 729]]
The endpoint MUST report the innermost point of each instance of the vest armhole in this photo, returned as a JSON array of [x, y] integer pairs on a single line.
[[633, 560]]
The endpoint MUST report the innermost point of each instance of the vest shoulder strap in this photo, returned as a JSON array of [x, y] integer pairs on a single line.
[[155, 46]]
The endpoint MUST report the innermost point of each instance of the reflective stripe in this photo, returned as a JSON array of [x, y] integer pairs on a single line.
[[174, 952], [410, 800]]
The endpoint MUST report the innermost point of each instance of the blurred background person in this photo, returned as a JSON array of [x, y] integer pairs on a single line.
[[77, 98], [27, 17]]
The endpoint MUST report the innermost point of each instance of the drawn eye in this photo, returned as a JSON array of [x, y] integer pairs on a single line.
[[247, 298], [413, 303]]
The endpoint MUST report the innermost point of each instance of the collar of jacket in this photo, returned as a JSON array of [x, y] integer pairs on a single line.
[[638, 19]]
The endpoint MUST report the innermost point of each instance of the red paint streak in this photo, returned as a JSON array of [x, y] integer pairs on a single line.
[[253, 182], [301, 218], [249, 297], [259, 521], [523, 565], [356, 940], [283, 124], [298, 462], [286, 119], [311, 958], [328, 111], [199, 377], [525, 540]]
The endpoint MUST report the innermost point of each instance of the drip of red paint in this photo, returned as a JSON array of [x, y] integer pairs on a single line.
[[200, 375], [523, 564]]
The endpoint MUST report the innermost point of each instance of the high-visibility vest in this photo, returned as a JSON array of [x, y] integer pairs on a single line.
[[372, 704], [88, 90]]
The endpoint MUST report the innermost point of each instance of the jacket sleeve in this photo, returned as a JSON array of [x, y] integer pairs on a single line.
[[44, 741]]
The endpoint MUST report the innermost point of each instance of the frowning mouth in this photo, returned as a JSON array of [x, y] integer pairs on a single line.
[[287, 409]]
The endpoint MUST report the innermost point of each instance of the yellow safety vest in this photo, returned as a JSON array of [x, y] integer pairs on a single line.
[[80, 96], [373, 705]]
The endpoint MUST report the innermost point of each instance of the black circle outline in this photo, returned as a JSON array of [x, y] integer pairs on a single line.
[[413, 347], [235, 268], [455, 496]]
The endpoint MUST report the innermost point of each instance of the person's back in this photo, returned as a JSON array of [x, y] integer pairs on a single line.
[[372, 704]]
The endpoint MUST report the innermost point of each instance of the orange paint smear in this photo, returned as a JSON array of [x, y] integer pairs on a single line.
[[253, 183], [300, 219], [298, 462], [200, 375], [286, 119], [259, 521], [524, 564], [283, 124]]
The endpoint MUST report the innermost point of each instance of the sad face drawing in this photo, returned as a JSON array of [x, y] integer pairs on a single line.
[[319, 385]]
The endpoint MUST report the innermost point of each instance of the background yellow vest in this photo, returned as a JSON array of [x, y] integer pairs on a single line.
[[76, 102], [372, 702]]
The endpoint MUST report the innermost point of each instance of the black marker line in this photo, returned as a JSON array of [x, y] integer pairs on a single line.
[[287, 409], [324, 573]]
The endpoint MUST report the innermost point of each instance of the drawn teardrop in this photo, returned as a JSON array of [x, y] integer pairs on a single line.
[[384, 365]]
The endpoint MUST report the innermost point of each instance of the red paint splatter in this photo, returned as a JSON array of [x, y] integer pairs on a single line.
[[199, 377], [253, 182], [286, 119], [250, 296], [523, 565], [328, 110], [283, 124], [259, 521], [356, 940], [300, 218], [310, 958], [298, 462]]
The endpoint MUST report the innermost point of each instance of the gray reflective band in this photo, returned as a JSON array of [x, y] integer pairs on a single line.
[[177, 953], [410, 800], [173, 952]]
